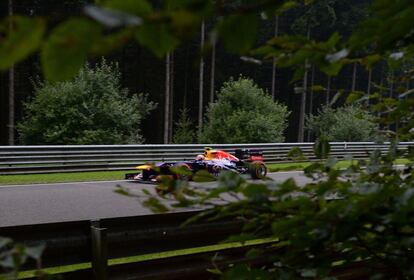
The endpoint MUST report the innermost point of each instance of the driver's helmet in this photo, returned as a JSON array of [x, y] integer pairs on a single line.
[[209, 153], [199, 157]]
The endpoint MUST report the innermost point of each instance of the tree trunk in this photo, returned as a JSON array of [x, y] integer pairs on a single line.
[[201, 83], [328, 90], [369, 81], [171, 122], [274, 61], [378, 114], [213, 71], [303, 99], [185, 77], [11, 86], [167, 98], [354, 73], [311, 98], [369, 85], [391, 93]]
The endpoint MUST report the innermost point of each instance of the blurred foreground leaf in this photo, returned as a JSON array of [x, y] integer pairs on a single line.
[[239, 32], [67, 47], [25, 38], [203, 176], [157, 38], [322, 148]]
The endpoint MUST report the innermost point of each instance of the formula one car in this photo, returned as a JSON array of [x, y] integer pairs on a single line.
[[244, 161]]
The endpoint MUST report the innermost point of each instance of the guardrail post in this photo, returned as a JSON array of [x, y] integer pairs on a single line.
[[99, 251]]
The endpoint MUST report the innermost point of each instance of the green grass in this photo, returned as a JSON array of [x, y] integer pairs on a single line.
[[62, 177], [301, 165], [274, 167], [402, 161], [147, 257]]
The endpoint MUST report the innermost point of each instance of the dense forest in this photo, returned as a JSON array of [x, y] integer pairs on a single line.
[[142, 72]]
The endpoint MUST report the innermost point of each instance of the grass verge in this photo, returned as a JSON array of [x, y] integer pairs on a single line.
[[301, 165], [61, 177]]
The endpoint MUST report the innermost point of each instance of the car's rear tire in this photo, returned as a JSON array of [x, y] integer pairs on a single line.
[[258, 170]]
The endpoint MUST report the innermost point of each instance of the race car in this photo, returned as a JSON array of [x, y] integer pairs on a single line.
[[245, 161]]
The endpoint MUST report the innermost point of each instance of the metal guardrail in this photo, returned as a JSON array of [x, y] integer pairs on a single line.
[[69, 243], [73, 158]]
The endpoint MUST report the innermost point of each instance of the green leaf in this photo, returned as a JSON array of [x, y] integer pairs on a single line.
[[296, 154], [105, 44], [24, 39], [330, 162], [336, 97], [335, 57], [298, 74], [200, 7], [215, 271], [321, 148], [7, 262], [155, 205], [255, 253], [242, 237], [136, 7], [157, 38], [256, 190], [308, 273], [238, 32], [243, 272], [370, 60], [184, 23], [331, 69], [181, 170], [333, 41], [146, 192], [203, 176], [230, 180], [66, 49], [354, 97], [122, 191], [4, 241], [35, 252], [318, 88], [285, 6]]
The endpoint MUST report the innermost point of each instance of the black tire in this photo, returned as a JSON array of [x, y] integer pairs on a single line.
[[258, 170]]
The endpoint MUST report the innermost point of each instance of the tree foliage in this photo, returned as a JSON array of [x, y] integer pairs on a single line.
[[92, 108], [348, 123], [244, 113], [184, 132], [319, 12], [345, 220]]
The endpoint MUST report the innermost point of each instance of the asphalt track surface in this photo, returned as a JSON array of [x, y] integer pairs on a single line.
[[48, 203]]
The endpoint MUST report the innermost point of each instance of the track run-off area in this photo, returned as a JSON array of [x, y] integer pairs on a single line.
[[60, 202]]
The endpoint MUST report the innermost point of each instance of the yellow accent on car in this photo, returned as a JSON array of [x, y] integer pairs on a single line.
[[144, 167]]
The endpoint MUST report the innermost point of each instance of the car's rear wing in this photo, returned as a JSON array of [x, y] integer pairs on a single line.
[[249, 154]]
